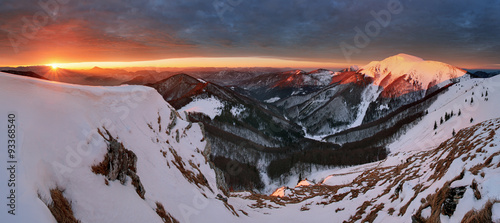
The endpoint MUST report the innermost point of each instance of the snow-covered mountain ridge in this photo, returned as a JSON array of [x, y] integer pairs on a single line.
[[366, 94], [423, 73], [65, 133]]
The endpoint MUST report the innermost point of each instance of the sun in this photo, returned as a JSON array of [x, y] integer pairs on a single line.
[[54, 66]]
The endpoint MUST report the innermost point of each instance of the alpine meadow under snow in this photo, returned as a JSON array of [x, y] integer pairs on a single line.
[[425, 134]]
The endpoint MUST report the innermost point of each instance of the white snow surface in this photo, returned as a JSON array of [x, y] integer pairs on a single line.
[[272, 100], [495, 213], [369, 95], [209, 106], [304, 183], [319, 78], [237, 110]]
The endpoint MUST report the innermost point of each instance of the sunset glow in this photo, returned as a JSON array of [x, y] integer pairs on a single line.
[[195, 34], [54, 66], [205, 62]]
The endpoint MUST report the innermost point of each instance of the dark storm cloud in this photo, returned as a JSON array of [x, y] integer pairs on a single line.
[[456, 30]]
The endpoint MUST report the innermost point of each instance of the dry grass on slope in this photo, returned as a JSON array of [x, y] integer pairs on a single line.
[[164, 215], [60, 207], [402, 186], [480, 216]]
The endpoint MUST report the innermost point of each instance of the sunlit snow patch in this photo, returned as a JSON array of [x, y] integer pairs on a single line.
[[237, 110], [272, 100], [304, 183], [281, 192], [208, 106]]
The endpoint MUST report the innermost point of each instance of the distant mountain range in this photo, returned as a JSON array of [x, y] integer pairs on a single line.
[[257, 118]]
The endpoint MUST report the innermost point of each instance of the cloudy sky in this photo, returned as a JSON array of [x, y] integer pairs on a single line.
[[464, 33]]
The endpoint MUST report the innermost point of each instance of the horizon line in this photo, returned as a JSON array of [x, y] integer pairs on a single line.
[[219, 62]]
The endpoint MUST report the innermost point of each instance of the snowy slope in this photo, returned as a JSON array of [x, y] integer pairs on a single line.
[[403, 187], [58, 143], [209, 106], [423, 73], [457, 97], [318, 77]]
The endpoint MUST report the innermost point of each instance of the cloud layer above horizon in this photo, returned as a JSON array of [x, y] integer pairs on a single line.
[[464, 33]]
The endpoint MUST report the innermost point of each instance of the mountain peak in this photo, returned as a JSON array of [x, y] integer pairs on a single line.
[[422, 73], [180, 78], [294, 72], [320, 70], [402, 57]]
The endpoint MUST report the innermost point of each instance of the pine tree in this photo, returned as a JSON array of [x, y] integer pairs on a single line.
[[441, 122], [453, 133], [486, 94], [459, 112], [471, 120], [471, 100], [446, 116], [435, 125]]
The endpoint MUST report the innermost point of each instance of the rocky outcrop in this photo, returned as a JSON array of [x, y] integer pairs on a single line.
[[119, 163], [451, 200]]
